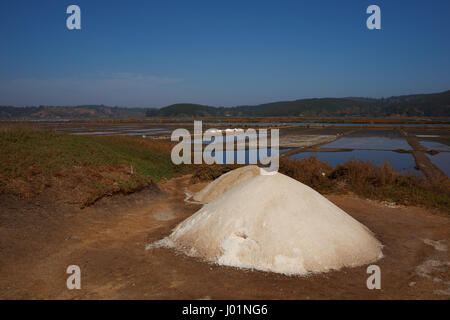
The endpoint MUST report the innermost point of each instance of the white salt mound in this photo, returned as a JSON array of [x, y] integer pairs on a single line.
[[275, 223], [225, 182]]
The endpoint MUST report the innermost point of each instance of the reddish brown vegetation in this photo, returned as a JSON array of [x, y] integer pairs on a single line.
[[204, 172], [359, 177], [368, 180]]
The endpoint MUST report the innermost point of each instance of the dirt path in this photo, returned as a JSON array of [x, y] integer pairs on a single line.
[[107, 241]]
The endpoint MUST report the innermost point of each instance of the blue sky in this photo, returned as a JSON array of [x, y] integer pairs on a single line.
[[222, 53]]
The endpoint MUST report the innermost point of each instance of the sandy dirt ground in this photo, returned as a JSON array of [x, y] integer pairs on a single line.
[[38, 241]]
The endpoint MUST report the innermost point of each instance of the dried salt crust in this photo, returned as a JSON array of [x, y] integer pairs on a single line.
[[272, 223]]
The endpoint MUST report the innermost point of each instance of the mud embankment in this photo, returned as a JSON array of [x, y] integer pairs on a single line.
[[305, 145], [423, 163]]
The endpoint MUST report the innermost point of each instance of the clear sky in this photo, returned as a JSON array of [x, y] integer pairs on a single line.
[[223, 53]]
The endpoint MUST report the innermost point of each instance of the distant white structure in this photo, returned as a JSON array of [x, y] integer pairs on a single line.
[[235, 130]]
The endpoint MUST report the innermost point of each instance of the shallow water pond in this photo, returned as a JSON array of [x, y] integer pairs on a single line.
[[256, 154], [370, 143], [434, 145], [442, 161], [146, 132], [400, 161]]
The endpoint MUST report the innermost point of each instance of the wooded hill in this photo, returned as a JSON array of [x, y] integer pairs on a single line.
[[430, 105], [419, 105]]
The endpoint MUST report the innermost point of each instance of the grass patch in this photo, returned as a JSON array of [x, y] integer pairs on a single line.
[[33, 159]]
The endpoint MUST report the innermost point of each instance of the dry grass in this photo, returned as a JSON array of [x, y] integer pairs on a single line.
[[205, 172], [309, 171], [370, 181], [358, 177]]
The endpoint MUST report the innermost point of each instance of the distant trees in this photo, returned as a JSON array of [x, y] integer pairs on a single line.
[[429, 105], [436, 105]]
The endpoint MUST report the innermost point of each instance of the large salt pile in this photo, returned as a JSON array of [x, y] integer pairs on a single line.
[[275, 223], [225, 182]]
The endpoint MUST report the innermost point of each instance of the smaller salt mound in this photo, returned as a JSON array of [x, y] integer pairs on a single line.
[[225, 182], [275, 223]]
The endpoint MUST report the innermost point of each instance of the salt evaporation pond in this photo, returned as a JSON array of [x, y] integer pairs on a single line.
[[442, 161], [370, 143], [434, 145], [108, 132], [221, 156], [403, 162], [329, 124]]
